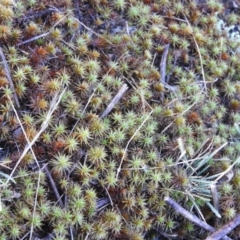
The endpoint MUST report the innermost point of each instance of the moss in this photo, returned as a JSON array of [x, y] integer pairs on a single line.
[[155, 140]]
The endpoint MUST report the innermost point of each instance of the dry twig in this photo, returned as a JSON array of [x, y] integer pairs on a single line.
[[215, 196], [191, 217], [53, 185], [53, 106], [129, 141], [200, 56], [115, 100], [43, 34], [227, 228], [163, 66], [7, 69], [78, 12]]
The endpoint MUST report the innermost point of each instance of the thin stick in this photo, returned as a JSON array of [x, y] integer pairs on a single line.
[[35, 159], [200, 56], [86, 236], [224, 230], [7, 69], [190, 216], [129, 141], [226, 171], [43, 34], [163, 64], [53, 185], [202, 147], [102, 203], [115, 100], [24, 237], [191, 106], [33, 39], [89, 29], [110, 199], [71, 233], [163, 67], [215, 196], [212, 154], [44, 125], [35, 14], [169, 235], [174, 18], [78, 11], [191, 197]]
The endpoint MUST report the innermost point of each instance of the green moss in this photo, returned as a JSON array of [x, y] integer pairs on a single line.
[[154, 142]]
